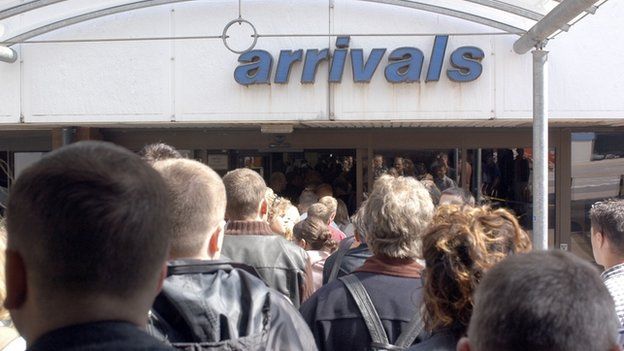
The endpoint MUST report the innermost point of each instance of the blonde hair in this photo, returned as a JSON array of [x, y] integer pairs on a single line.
[[4, 313], [397, 214], [271, 200], [321, 211], [198, 203], [279, 210], [461, 244], [330, 202]]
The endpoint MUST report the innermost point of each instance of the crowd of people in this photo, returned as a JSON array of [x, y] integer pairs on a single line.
[[108, 250]]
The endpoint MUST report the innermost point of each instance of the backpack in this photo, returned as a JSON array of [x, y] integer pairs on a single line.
[[373, 322], [175, 328]]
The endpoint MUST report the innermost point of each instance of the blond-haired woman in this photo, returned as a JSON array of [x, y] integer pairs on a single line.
[[282, 217]]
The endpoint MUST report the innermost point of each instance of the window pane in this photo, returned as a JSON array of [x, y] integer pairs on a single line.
[[597, 174]]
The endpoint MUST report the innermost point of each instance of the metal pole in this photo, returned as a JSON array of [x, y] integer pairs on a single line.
[[68, 135], [479, 176], [456, 165], [540, 149]]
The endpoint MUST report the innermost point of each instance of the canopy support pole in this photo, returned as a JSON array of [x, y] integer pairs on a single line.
[[540, 149]]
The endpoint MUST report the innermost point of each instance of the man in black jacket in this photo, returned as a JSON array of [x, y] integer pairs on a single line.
[[207, 301], [88, 237], [283, 265]]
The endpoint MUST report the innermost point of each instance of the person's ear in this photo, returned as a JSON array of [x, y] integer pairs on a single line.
[[600, 238], [463, 344], [264, 208], [332, 217], [16, 280], [302, 243], [216, 241]]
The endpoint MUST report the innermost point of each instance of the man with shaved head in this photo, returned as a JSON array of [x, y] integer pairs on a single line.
[[206, 299], [88, 238]]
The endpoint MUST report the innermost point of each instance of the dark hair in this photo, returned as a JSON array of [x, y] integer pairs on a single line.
[[462, 243], [316, 234], [90, 219], [158, 152], [245, 189], [436, 165], [547, 300], [607, 217], [465, 197]]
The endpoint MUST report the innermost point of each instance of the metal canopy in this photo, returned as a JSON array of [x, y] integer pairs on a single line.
[[43, 16]]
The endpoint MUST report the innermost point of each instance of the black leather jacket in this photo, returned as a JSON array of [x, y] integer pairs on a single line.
[[283, 265], [217, 305]]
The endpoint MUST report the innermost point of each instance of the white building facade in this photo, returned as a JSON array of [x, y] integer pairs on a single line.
[[355, 78]]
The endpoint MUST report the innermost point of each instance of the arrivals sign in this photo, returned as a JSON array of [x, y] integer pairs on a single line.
[[405, 64]]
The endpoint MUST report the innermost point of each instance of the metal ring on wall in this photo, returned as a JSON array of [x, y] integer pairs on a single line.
[[239, 21]]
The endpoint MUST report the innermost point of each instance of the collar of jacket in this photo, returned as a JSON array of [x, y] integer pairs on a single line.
[[399, 267], [248, 228]]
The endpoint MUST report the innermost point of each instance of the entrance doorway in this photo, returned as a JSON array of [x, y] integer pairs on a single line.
[[289, 172]]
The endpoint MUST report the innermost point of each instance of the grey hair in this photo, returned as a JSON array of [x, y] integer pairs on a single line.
[[359, 221], [398, 213]]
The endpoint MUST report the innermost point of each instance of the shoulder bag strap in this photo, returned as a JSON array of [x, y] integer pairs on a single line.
[[411, 332], [367, 309]]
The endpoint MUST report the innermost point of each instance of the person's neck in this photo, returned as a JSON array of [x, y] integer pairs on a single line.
[[202, 255], [256, 218], [611, 260], [58, 315]]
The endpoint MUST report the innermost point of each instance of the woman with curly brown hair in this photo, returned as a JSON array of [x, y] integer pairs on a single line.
[[313, 236], [462, 244]]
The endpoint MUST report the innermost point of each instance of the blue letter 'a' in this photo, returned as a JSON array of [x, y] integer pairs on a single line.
[[467, 63], [256, 68], [362, 73], [406, 65]]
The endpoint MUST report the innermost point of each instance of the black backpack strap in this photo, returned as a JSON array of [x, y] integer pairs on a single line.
[[369, 314], [344, 246], [411, 332]]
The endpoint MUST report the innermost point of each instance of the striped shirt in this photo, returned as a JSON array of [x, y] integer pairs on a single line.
[[614, 280]]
